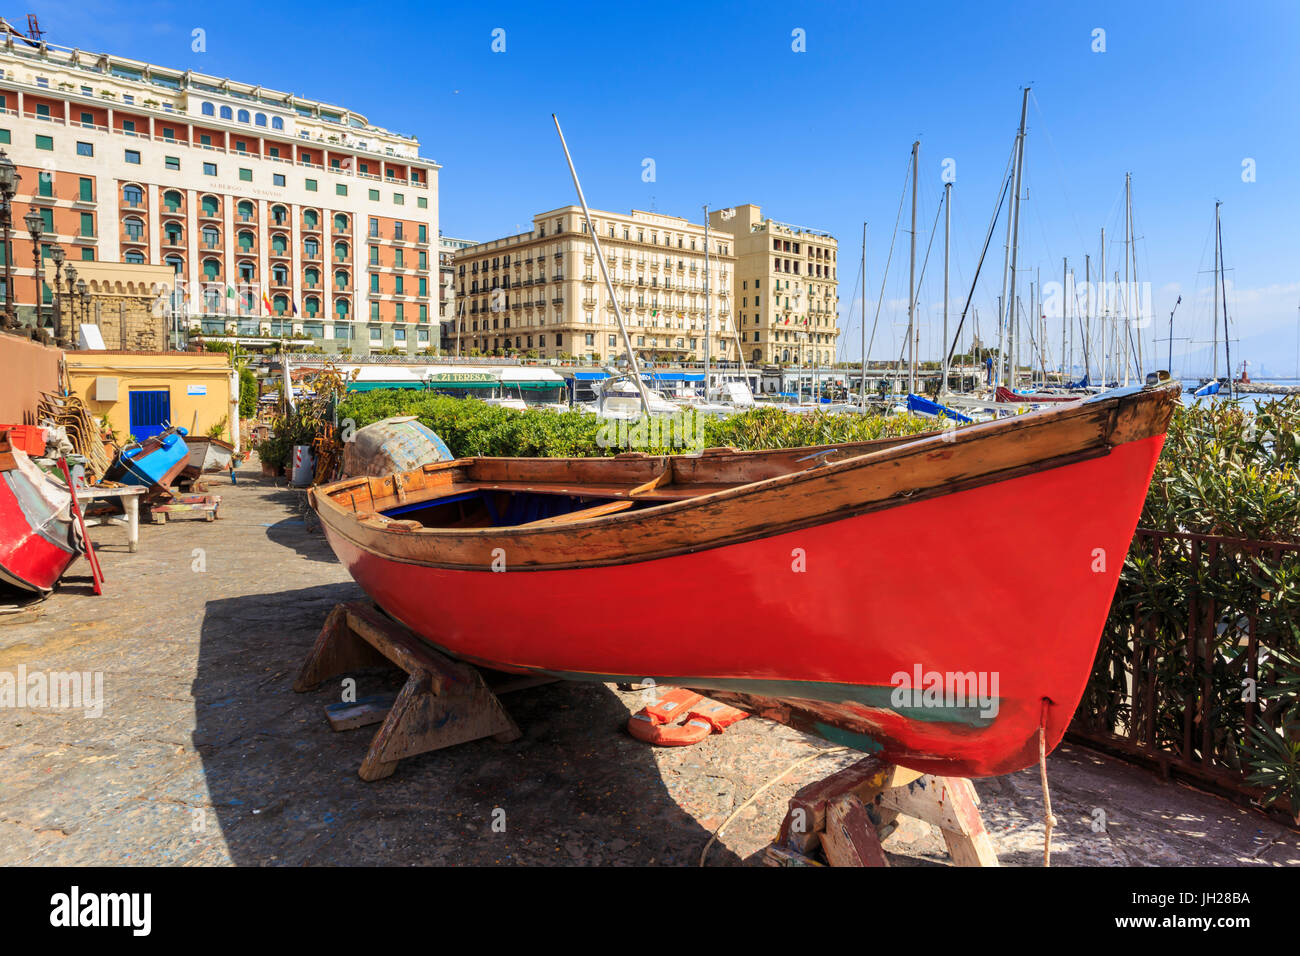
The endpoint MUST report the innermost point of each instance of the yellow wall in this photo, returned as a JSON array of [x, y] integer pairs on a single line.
[[174, 371]]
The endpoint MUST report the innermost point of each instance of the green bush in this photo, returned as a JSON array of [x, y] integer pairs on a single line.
[[473, 428]]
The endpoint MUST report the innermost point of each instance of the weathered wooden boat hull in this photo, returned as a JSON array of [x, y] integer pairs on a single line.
[[804, 596], [207, 455], [36, 538]]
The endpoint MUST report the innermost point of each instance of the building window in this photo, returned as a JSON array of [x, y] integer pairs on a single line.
[[340, 189], [399, 199], [86, 189], [311, 185], [45, 184], [207, 109], [374, 195], [243, 116], [135, 257], [259, 119], [209, 169], [88, 225], [132, 195], [172, 162], [88, 254], [277, 179], [133, 157], [422, 203], [374, 316], [246, 175], [277, 123], [374, 282], [83, 149], [128, 99], [45, 142], [423, 232]]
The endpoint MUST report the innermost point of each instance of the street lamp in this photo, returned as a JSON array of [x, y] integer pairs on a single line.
[[70, 320], [35, 224], [56, 253], [9, 180], [83, 291]]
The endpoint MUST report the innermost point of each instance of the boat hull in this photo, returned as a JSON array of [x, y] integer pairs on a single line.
[[814, 625], [35, 530]]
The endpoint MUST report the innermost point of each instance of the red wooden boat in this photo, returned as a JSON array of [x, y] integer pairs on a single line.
[[1005, 394], [37, 540], [812, 586]]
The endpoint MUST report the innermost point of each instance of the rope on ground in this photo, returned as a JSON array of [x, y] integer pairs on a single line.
[[755, 795], [1049, 821]]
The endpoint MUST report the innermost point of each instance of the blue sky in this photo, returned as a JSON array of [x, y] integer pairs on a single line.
[[715, 95]]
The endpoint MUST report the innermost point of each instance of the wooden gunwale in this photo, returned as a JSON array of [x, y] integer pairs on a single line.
[[886, 477]]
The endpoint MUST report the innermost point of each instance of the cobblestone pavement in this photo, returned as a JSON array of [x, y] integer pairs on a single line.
[[205, 755]]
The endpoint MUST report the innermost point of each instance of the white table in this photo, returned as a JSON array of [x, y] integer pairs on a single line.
[[130, 496]]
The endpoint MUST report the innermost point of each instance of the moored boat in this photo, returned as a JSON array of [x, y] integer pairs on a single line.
[[1006, 395], [37, 540], [534, 565]]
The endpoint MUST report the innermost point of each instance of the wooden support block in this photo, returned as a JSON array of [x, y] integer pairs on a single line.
[[362, 713], [443, 703], [951, 804], [424, 719], [850, 836], [806, 816], [337, 650], [776, 856]]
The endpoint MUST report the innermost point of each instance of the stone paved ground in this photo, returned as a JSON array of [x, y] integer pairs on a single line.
[[204, 755]]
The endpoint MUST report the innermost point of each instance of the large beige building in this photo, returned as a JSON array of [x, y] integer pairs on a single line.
[[785, 288], [541, 292], [279, 215]]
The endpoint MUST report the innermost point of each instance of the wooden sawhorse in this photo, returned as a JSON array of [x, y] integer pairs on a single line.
[[844, 817], [444, 702]]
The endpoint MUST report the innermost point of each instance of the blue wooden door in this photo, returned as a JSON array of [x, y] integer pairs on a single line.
[[151, 409]]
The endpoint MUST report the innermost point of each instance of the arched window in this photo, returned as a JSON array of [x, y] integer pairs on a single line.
[[279, 244], [247, 271], [279, 275], [341, 308], [176, 262], [211, 237], [226, 113], [311, 278], [245, 211], [311, 305], [211, 299], [341, 251], [246, 240], [280, 304], [310, 218], [341, 278], [259, 119], [279, 215], [174, 233], [211, 269], [208, 109], [132, 195], [243, 116], [134, 226], [311, 248], [173, 200], [210, 205], [134, 256], [340, 222], [277, 123]]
